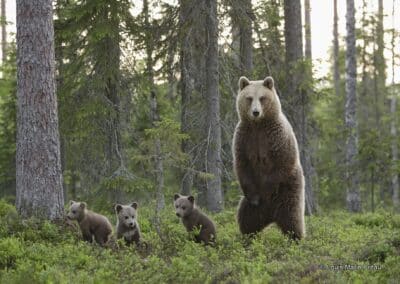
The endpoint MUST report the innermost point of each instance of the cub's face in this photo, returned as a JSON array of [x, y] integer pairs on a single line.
[[127, 214], [76, 210], [183, 205], [257, 99]]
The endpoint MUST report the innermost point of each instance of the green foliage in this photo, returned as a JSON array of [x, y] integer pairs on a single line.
[[369, 244], [8, 128]]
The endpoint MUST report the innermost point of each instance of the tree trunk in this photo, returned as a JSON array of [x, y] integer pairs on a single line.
[[393, 123], [186, 88], [353, 197], [3, 31], [295, 96], [159, 170], [213, 127], [307, 29], [336, 74], [39, 176], [242, 34], [380, 88]]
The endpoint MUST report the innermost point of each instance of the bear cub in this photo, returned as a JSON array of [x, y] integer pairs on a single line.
[[127, 225], [266, 162], [91, 223], [193, 218]]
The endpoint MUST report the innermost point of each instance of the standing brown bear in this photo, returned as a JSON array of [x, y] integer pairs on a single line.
[[266, 162]]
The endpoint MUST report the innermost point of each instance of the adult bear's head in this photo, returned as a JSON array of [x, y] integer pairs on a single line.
[[257, 100]]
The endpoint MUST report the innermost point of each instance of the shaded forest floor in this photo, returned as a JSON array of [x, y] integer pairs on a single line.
[[33, 252]]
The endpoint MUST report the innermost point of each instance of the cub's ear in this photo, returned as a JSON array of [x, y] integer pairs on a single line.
[[118, 207], [191, 199], [243, 82], [269, 82], [176, 196], [71, 202], [83, 205], [134, 205]]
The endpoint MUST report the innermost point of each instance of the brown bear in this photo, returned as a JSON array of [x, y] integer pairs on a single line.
[[194, 219], [91, 224], [127, 224], [266, 162]]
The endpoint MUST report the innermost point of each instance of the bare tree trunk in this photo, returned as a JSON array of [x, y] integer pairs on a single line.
[[307, 28], [213, 148], [242, 33], [393, 123], [353, 197], [380, 87], [3, 31], [39, 176], [158, 159], [336, 74], [295, 96], [186, 87]]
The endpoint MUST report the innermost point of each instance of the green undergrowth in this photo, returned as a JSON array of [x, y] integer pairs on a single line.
[[339, 248]]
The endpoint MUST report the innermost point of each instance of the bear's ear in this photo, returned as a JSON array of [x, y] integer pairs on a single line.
[[243, 82], [269, 82], [176, 196], [134, 205], [118, 207], [83, 205], [71, 202], [191, 199]]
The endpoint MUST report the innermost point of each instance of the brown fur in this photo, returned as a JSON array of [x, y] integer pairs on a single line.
[[92, 225], [266, 162], [127, 225], [194, 219]]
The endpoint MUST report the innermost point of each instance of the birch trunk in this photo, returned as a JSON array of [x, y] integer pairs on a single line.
[[353, 198], [38, 171], [307, 29]]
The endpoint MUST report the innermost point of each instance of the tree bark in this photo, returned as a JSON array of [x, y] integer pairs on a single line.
[[353, 197], [39, 176], [213, 126], [295, 95], [380, 86], [336, 74], [186, 87], [393, 123], [3, 31], [307, 29]]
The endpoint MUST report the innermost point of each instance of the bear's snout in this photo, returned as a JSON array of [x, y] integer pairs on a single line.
[[177, 214], [256, 113]]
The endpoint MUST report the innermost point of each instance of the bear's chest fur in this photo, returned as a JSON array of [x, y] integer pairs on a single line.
[[258, 150]]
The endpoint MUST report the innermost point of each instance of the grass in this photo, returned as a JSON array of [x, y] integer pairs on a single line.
[[339, 248]]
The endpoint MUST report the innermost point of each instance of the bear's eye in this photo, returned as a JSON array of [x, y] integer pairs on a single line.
[[73, 212], [249, 99], [183, 207], [176, 206], [262, 99], [126, 217]]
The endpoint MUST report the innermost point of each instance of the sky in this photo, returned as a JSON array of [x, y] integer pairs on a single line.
[[321, 29]]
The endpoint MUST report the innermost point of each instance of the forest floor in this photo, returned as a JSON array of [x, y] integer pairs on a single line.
[[339, 248]]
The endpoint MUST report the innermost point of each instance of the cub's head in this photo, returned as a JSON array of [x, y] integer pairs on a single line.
[[76, 210], [127, 214], [257, 100], [183, 205]]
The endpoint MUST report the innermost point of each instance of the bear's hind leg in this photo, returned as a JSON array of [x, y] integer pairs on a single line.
[[251, 218]]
